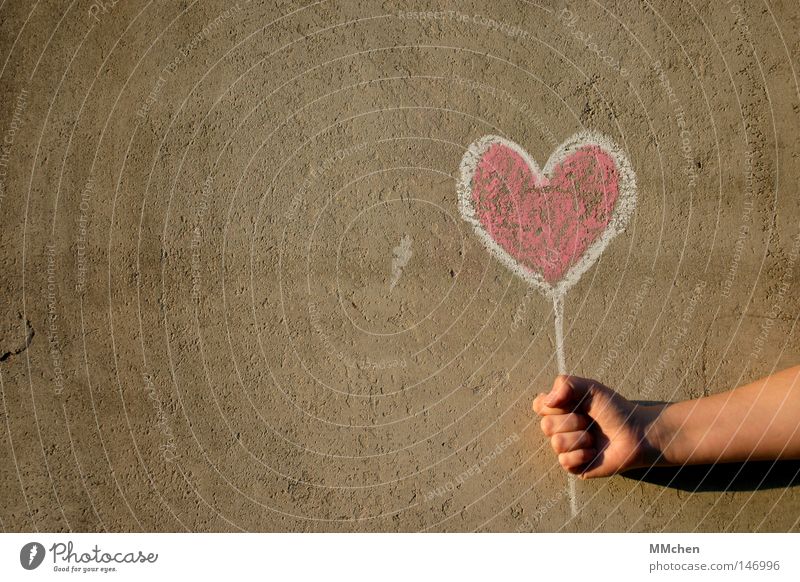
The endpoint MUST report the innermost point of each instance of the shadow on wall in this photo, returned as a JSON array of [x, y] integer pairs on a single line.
[[749, 476]]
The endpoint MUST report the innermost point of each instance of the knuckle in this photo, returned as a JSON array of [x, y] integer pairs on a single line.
[[546, 425], [558, 443]]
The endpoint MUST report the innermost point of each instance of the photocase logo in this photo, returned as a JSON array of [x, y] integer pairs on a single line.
[[31, 555]]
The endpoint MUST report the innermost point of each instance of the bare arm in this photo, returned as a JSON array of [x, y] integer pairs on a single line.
[[758, 421], [596, 432]]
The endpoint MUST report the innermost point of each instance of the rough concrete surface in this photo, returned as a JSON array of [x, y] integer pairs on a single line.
[[238, 293]]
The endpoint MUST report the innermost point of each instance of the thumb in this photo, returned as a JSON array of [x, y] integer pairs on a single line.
[[567, 392], [594, 470], [597, 468]]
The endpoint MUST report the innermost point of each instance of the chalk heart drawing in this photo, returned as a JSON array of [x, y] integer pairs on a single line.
[[548, 226]]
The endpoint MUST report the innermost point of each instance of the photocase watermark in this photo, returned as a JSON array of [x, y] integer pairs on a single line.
[[53, 341], [522, 308], [474, 469], [685, 134], [361, 364], [527, 524], [551, 259], [82, 238], [628, 325], [152, 97], [101, 8], [401, 255], [570, 20], [185, 51], [504, 96], [744, 225], [783, 287], [494, 380], [182, 56], [169, 447], [741, 23], [315, 174], [196, 240], [681, 332], [467, 19], [10, 136]]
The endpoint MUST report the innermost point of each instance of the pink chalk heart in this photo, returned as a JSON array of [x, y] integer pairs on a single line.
[[547, 226]]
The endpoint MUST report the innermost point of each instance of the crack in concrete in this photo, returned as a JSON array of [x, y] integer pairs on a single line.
[[30, 332]]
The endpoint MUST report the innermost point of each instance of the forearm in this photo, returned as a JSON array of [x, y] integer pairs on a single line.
[[753, 422]]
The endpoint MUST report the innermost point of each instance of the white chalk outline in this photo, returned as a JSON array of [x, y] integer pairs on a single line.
[[623, 209]]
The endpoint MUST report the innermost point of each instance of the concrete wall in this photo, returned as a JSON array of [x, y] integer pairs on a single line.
[[238, 293]]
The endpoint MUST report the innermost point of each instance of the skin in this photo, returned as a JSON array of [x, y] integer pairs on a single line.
[[596, 432]]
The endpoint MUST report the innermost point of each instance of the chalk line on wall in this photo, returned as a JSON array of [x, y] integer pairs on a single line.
[[548, 226]]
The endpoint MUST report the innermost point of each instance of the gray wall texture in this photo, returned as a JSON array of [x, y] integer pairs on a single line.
[[238, 294]]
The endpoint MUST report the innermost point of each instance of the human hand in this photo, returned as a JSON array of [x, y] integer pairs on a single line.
[[595, 431]]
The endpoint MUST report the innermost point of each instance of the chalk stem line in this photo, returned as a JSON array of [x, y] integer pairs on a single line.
[[558, 312]]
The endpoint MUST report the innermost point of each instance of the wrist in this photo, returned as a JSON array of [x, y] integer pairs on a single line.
[[660, 437]]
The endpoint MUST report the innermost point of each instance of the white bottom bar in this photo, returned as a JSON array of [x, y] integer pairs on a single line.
[[378, 557]]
